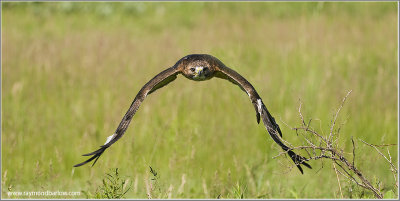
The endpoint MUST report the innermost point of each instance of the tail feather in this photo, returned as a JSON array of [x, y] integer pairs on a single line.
[[276, 134], [298, 160], [96, 152], [96, 156]]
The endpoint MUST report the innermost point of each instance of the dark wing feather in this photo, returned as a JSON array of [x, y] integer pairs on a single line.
[[160, 80], [261, 110], [162, 83]]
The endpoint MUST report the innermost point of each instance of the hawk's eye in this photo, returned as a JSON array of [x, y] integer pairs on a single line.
[[192, 69]]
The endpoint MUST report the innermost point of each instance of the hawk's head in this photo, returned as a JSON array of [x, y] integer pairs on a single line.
[[197, 67]]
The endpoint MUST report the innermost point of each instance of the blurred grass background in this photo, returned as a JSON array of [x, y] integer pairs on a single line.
[[70, 71]]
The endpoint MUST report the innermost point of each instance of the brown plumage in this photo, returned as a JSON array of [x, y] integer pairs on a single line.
[[200, 67]]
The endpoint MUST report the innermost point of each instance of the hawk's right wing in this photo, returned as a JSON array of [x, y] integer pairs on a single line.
[[160, 80]]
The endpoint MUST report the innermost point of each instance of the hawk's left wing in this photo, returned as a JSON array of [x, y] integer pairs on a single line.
[[261, 110]]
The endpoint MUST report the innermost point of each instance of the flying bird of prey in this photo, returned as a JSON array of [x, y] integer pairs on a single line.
[[200, 67]]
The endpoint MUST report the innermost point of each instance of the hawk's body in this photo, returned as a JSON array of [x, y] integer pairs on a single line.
[[200, 67]]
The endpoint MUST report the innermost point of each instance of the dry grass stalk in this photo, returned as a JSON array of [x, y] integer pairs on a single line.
[[182, 186], [148, 187]]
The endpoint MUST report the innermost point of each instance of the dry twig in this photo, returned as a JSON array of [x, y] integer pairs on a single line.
[[320, 147]]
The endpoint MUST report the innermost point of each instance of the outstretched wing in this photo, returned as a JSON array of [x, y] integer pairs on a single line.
[[160, 80], [261, 110]]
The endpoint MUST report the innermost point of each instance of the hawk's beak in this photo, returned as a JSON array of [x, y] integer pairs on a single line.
[[198, 70]]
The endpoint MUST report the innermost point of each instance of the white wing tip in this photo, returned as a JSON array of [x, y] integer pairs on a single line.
[[259, 105], [109, 138]]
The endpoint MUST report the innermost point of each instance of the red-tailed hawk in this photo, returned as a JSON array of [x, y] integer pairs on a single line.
[[200, 67]]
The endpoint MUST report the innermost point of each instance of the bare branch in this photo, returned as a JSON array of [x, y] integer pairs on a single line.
[[337, 114], [301, 116], [349, 176], [390, 162], [329, 149], [311, 131], [394, 171]]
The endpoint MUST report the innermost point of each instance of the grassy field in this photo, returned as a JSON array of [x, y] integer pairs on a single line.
[[71, 70]]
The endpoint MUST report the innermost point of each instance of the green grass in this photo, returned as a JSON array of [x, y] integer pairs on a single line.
[[71, 70]]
